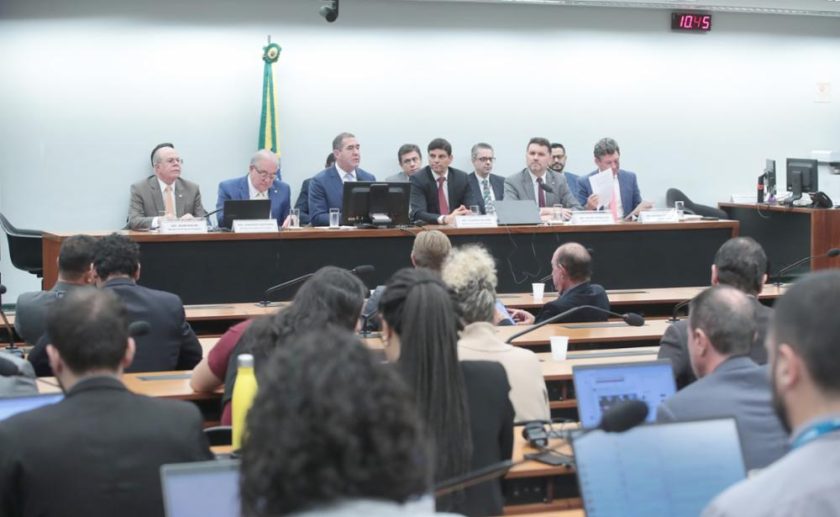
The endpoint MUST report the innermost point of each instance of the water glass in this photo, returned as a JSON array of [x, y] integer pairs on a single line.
[[335, 217]]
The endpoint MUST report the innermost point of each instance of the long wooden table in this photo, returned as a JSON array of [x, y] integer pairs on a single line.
[[228, 267]]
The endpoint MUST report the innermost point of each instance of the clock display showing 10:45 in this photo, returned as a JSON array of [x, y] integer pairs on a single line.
[[692, 22]]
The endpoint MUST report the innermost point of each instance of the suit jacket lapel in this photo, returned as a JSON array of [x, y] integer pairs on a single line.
[[527, 185], [244, 192], [157, 196], [498, 184], [178, 186]]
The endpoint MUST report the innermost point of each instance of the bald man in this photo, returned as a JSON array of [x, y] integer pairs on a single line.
[[571, 271]]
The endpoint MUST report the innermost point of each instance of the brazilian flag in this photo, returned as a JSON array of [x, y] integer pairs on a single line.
[[269, 128]]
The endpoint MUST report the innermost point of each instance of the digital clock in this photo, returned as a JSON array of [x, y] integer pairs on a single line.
[[692, 22]]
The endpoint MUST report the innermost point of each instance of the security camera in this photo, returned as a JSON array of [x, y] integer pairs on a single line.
[[329, 11]]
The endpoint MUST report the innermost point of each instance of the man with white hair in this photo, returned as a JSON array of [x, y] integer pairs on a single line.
[[261, 182]]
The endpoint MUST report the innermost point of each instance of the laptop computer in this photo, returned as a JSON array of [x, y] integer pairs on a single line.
[[658, 470], [206, 488], [245, 209], [517, 211], [10, 406], [599, 387]]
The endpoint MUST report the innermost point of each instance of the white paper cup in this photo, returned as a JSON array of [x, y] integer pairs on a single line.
[[559, 347], [538, 290]]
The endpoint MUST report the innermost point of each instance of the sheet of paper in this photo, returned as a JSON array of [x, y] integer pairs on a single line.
[[602, 184]]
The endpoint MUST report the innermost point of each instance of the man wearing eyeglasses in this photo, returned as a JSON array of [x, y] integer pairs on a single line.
[[491, 187], [165, 194], [261, 182]]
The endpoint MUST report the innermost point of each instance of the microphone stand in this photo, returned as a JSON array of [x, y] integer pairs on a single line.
[[279, 287], [631, 318]]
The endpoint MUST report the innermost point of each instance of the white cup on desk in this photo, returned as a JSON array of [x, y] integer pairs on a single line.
[[538, 290], [335, 217]]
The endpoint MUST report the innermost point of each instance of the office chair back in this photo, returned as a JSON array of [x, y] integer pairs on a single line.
[[673, 195], [24, 247]]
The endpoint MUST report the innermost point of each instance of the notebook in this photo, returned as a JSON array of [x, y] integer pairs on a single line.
[[206, 488], [10, 406], [599, 387], [658, 470]]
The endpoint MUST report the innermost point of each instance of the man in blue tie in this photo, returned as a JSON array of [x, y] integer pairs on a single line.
[[261, 182], [327, 187]]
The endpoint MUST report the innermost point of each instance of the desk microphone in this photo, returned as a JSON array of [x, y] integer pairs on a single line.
[[621, 417], [833, 252], [358, 271], [631, 318], [546, 188], [677, 308], [139, 328]]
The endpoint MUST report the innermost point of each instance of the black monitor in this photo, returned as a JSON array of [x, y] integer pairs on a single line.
[[373, 203], [801, 176], [770, 177], [245, 209]]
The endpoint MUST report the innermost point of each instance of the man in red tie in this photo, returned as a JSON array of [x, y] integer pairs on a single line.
[[440, 192], [539, 183]]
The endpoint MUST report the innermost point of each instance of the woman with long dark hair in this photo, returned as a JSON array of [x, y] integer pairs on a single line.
[[464, 405]]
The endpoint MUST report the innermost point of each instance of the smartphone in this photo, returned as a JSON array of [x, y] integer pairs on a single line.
[[500, 307]]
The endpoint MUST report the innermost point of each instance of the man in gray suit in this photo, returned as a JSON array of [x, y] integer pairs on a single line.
[[539, 183], [75, 271], [742, 264], [721, 327], [410, 161], [165, 194]]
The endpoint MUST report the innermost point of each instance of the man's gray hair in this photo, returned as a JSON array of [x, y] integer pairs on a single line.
[[266, 154], [606, 146], [479, 146]]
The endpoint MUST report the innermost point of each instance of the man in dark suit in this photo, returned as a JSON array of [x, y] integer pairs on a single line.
[[302, 203], [326, 190], [491, 187], [439, 192], [539, 183], [98, 452], [721, 328], [558, 165], [169, 344], [261, 182], [739, 263], [626, 199], [75, 271], [571, 271], [163, 194]]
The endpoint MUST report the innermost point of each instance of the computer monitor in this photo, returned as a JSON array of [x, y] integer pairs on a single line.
[[658, 470], [599, 387], [770, 177], [206, 488], [375, 203], [10, 406], [801, 176], [245, 209]]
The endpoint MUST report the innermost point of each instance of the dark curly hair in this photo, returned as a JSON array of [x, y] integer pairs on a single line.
[[421, 310], [330, 423], [116, 255]]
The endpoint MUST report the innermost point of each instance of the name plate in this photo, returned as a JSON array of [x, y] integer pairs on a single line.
[[254, 225], [658, 216], [591, 217], [476, 221], [174, 226]]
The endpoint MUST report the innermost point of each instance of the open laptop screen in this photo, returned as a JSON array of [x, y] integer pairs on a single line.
[[206, 488], [658, 470], [13, 405], [599, 387]]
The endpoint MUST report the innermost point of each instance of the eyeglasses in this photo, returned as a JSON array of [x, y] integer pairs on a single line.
[[485, 159], [173, 161], [265, 174]]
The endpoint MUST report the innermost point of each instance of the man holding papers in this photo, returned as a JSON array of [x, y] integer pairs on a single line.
[[611, 187]]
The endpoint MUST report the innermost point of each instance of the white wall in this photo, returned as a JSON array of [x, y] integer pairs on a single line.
[[88, 87]]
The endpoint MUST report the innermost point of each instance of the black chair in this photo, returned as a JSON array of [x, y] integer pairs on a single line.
[[24, 247], [673, 195], [219, 435]]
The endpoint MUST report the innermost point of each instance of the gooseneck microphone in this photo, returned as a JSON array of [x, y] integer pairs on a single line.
[[139, 328], [833, 252], [621, 417], [677, 308], [545, 187], [365, 269], [631, 318]]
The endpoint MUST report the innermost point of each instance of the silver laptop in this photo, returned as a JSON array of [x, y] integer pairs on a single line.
[[517, 211], [206, 488], [658, 470]]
